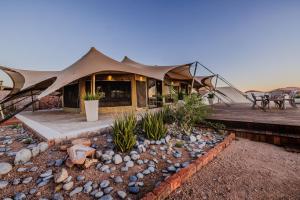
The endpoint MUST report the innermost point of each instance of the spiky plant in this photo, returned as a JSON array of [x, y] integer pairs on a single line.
[[123, 132], [153, 126]]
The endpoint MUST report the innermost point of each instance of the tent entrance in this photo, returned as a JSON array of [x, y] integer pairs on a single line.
[[141, 94], [71, 95]]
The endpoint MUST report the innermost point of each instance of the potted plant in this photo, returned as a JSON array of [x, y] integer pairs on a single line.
[[210, 98], [91, 103]]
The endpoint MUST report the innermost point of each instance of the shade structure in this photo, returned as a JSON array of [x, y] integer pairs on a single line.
[[205, 81], [92, 62]]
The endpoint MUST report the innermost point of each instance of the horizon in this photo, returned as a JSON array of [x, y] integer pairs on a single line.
[[254, 45]]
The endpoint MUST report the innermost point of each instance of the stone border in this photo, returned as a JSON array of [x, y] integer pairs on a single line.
[[177, 179]]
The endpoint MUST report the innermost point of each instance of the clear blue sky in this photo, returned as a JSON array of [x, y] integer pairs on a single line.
[[254, 44]]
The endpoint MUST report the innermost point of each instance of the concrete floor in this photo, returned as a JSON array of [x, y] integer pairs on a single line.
[[59, 125]]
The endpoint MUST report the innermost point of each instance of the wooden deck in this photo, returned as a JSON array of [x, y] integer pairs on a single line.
[[244, 113], [274, 126]]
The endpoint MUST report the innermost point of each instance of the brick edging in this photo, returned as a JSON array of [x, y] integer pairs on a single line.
[[177, 179]]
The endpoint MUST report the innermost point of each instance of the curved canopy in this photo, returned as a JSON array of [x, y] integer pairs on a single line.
[[205, 81], [181, 72]]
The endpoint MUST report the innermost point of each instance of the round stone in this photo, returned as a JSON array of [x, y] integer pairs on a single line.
[[117, 159], [80, 178], [76, 191], [140, 175], [171, 168], [5, 168], [122, 194], [98, 194], [58, 196], [135, 156], [43, 146], [104, 184], [61, 176], [22, 156], [27, 180], [19, 196], [129, 164], [35, 151], [68, 186], [127, 158], [134, 189], [133, 178], [118, 179], [108, 190], [106, 197], [3, 184]]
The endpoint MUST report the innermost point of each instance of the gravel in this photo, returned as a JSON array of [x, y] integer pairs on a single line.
[[246, 170]]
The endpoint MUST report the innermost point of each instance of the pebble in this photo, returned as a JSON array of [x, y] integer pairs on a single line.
[[33, 169], [104, 184], [35, 151], [104, 168], [127, 158], [61, 176], [129, 164], [47, 173], [146, 172], [58, 162], [58, 196], [32, 191], [171, 168], [108, 190], [27, 180], [5, 168], [106, 197], [135, 156], [22, 156], [117, 159], [68, 186], [124, 169], [43, 183], [133, 178], [118, 179], [43, 146], [80, 178], [99, 194], [140, 175], [140, 162], [19, 196], [151, 169], [185, 164], [121, 194], [3, 184], [134, 189], [16, 181], [76, 191]]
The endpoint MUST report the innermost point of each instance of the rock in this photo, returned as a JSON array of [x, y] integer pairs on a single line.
[[32, 191], [133, 178], [134, 189], [5, 168], [68, 186], [78, 153], [33, 169], [19, 196], [140, 162], [87, 189], [22, 156], [185, 164], [140, 175], [43, 183], [88, 162], [177, 154], [118, 179], [80, 178], [177, 165], [167, 138], [141, 184], [3, 184], [146, 172], [117, 159], [135, 156], [109, 152], [99, 194], [171, 169], [151, 169], [98, 154], [104, 184], [108, 190], [16, 181], [127, 158], [106, 197], [106, 157], [193, 138], [58, 196], [124, 169], [22, 169], [141, 148], [59, 162], [68, 179], [121, 194], [129, 164], [43, 146], [27, 180], [35, 151], [104, 168], [82, 141], [76, 191], [61, 176], [46, 174]]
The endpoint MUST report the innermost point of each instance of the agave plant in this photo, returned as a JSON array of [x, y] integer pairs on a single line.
[[123, 132], [153, 126]]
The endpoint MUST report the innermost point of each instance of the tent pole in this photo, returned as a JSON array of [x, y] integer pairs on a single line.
[[196, 65]]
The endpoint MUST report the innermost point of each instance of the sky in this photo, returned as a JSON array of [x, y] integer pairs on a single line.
[[253, 44]]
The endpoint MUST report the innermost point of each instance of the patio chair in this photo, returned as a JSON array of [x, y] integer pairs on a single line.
[[291, 98], [255, 100]]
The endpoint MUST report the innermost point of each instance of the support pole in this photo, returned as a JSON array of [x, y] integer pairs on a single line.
[[194, 76], [32, 101], [93, 84]]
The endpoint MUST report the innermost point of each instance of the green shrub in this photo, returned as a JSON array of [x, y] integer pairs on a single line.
[[218, 127], [179, 144], [153, 126], [123, 132], [168, 115], [191, 112], [91, 97]]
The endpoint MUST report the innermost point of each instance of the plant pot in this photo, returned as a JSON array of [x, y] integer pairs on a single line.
[[91, 110], [297, 100], [210, 101]]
